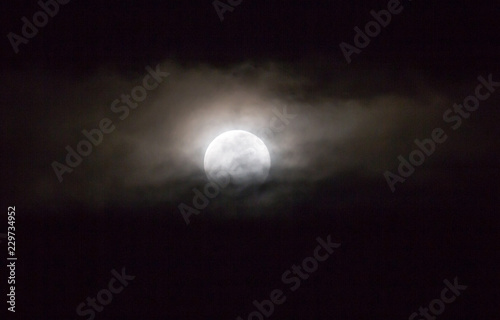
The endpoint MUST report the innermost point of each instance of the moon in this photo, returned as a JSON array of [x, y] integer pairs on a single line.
[[239, 156]]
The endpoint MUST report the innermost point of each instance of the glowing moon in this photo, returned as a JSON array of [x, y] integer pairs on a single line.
[[238, 155]]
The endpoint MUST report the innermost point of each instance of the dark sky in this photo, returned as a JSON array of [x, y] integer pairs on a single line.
[[119, 208]]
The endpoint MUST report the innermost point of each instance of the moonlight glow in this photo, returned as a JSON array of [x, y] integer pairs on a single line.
[[240, 155]]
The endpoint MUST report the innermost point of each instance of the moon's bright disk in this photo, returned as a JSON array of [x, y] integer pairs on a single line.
[[239, 155]]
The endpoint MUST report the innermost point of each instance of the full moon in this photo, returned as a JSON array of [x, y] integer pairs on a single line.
[[239, 156]]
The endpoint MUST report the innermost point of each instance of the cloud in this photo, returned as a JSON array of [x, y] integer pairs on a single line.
[[342, 124]]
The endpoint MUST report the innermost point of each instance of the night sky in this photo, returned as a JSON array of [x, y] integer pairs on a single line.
[[382, 197]]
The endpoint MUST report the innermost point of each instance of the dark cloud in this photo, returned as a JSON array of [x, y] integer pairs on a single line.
[[358, 121]]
